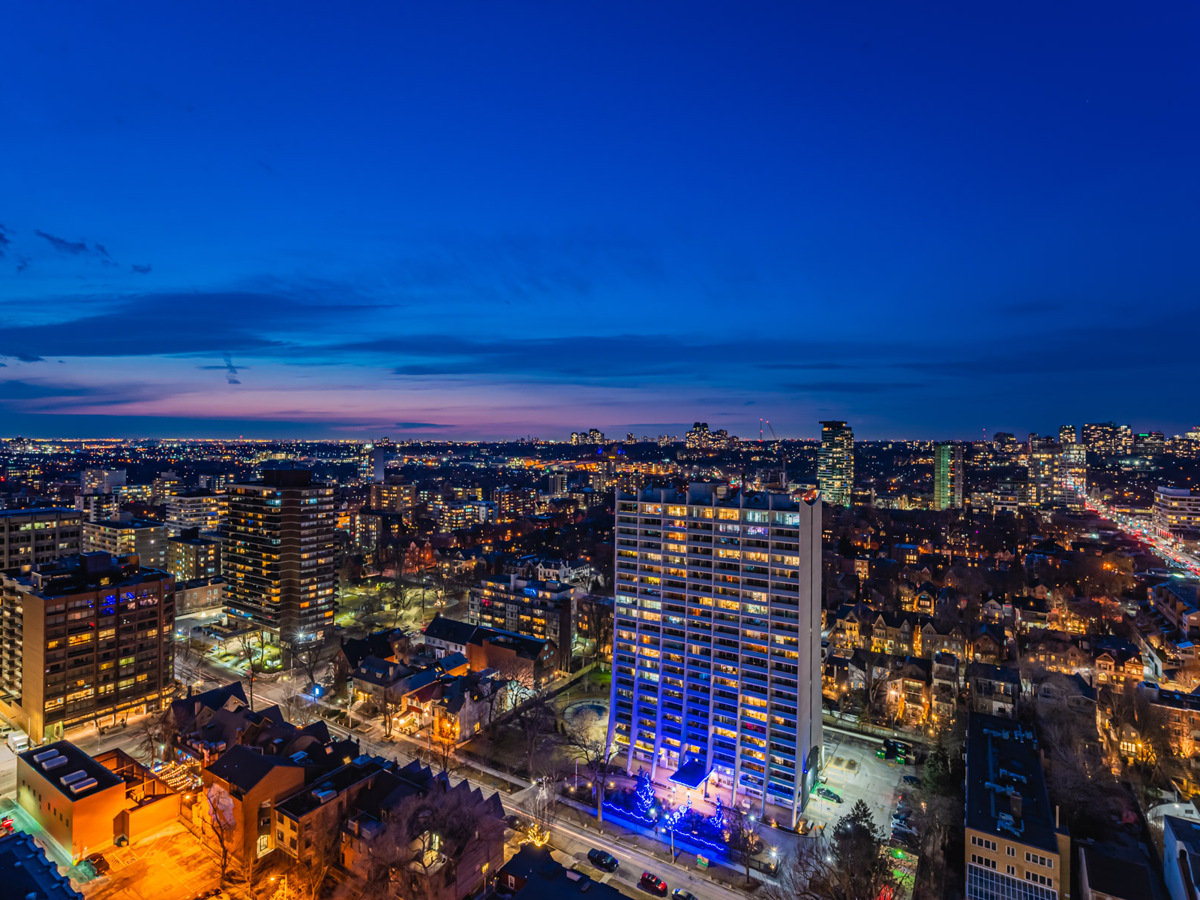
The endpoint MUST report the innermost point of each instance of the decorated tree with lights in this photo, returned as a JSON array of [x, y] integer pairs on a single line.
[[643, 795], [717, 819]]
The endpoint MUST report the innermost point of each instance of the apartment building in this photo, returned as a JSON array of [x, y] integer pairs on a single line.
[[717, 641], [190, 556], [278, 555], [541, 609], [202, 510], [29, 537], [1176, 513], [147, 539], [1015, 848], [835, 463], [83, 638]]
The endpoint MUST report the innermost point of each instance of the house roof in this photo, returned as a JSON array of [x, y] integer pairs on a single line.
[[451, 631], [244, 767], [377, 644], [1116, 877]]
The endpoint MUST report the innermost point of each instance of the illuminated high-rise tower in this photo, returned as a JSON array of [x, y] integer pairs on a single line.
[[717, 641], [948, 475], [835, 463]]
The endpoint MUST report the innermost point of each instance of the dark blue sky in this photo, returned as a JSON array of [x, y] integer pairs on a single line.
[[482, 219]]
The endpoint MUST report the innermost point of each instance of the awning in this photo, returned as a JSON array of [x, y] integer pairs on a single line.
[[691, 774]]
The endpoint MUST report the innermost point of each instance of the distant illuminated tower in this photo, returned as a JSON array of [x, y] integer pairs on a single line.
[[1067, 435], [947, 475], [835, 463]]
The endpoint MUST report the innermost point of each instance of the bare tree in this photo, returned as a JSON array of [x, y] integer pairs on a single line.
[[389, 704], [535, 720], [253, 654], [311, 657], [222, 821], [587, 738], [401, 597], [315, 864], [298, 709], [743, 837], [155, 733]]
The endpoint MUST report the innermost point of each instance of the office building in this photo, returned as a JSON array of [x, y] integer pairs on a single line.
[[147, 539], [835, 463], [1014, 846], [190, 556], [717, 642], [277, 556], [202, 510], [1149, 443], [29, 537], [1067, 435], [948, 475], [84, 638], [98, 507], [541, 609]]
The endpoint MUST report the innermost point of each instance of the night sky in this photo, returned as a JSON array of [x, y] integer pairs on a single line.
[[476, 219]]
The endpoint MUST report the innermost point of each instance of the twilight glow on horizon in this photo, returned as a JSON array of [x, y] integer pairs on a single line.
[[496, 220]]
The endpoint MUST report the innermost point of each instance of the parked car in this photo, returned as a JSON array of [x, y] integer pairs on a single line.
[[827, 794], [98, 863], [653, 884], [911, 779], [903, 830], [514, 822], [681, 894], [602, 860]]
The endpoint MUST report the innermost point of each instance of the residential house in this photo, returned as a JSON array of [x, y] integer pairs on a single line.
[[948, 639], [989, 644], [534, 875], [993, 690], [420, 816]]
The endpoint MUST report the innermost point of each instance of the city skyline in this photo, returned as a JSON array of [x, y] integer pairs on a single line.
[[515, 222]]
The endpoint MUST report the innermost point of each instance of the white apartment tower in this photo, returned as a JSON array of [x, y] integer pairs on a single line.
[[717, 642]]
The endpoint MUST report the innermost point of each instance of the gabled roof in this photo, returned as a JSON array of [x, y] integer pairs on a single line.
[[377, 644], [451, 631], [244, 767]]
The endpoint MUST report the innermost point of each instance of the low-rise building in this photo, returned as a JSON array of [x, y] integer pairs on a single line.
[[1014, 845], [26, 872]]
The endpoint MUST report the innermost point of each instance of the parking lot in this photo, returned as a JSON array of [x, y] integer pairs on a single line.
[[853, 772]]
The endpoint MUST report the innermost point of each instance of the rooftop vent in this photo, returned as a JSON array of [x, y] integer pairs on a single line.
[[45, 754], [73, 777], [79, 787], [54, 763]]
